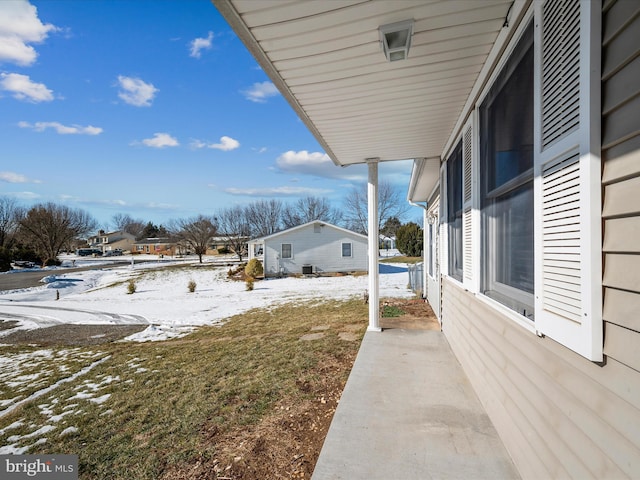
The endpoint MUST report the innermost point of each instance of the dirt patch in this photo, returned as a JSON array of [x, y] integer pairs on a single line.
[[8, 324], [285, 445], [416, 315], [74, 335]]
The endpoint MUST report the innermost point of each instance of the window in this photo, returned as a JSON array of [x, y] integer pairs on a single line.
[[507, 198], [286, 251], [454, 212], [346, 249]]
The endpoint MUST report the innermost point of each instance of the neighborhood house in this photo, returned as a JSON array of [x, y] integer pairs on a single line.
[[111, 241], [155, 246], [312, 248]]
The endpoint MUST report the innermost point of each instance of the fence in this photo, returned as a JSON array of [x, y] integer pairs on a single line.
[[416, 277]]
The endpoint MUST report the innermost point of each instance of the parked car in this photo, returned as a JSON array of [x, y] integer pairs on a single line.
[[86, 252], [23, 264], [113, 253]]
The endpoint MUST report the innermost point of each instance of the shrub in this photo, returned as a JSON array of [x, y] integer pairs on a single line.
[[191, 286], [249, 283], [391, 311], [131, 287], [254, 268], [409, 240]]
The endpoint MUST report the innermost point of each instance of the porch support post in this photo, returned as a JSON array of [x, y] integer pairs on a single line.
[[373, 234]]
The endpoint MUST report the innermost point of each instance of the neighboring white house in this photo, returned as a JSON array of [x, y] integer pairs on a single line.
[[314, 247], [523, 120]]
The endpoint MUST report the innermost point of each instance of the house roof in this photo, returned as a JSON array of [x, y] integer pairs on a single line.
[[153, 241], [326, 59], [304, 225]]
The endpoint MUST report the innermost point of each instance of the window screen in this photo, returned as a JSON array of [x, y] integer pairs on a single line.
[[506, 149]]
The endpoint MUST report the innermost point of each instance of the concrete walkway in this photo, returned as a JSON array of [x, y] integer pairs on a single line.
[[409, 412]]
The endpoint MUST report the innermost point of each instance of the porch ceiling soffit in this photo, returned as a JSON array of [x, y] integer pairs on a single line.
[[326, 59]]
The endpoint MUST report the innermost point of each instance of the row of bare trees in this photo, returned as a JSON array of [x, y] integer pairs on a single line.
[[45, 230], [41, 232]]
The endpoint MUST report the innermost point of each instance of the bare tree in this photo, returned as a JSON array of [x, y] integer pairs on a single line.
[[126, 223], [264, 217], [390, 204], [10, 214], [234, 229], [196, 233], [48, 228], [390, 227], [308, 209]]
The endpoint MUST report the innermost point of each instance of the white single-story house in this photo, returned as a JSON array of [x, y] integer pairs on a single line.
[[523, 121], [312, 248]]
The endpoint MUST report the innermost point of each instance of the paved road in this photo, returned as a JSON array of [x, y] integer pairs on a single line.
[[31, 278]]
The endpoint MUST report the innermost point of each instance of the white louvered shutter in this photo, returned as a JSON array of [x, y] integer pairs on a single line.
[[442, 225], [467, 238], [568, 272]]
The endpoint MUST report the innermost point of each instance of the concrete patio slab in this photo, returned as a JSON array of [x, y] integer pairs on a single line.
[[409, 412]]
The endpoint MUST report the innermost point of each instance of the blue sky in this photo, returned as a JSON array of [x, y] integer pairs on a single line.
[[149, 108]]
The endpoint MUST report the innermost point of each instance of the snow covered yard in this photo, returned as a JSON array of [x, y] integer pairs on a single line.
[[66, 387], [163, 301]]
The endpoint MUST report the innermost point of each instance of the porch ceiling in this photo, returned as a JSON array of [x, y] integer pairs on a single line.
[[326, 59]]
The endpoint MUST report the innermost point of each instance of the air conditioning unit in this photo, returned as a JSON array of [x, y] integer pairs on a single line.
[[307, 269]]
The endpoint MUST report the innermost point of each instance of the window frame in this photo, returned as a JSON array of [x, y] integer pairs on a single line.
[[282, 245], [350, 249], [455, 250], [518, 301]]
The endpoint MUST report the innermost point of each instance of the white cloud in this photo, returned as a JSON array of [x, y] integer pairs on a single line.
[[226, 144], [12, 177], [161, 140], [19, 26], [200, 44], [62, 129], [136, 92], [24, 89], [260, 92], [26, 195], [276, 191], [316, 164]]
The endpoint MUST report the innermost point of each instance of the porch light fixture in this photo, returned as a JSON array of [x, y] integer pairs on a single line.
[[396, 39]]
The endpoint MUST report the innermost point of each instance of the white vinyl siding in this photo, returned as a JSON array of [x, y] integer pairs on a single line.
[[567, 175], [559, 415], [621, 183]]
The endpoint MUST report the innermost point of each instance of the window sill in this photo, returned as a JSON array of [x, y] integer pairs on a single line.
[[508, 313]]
